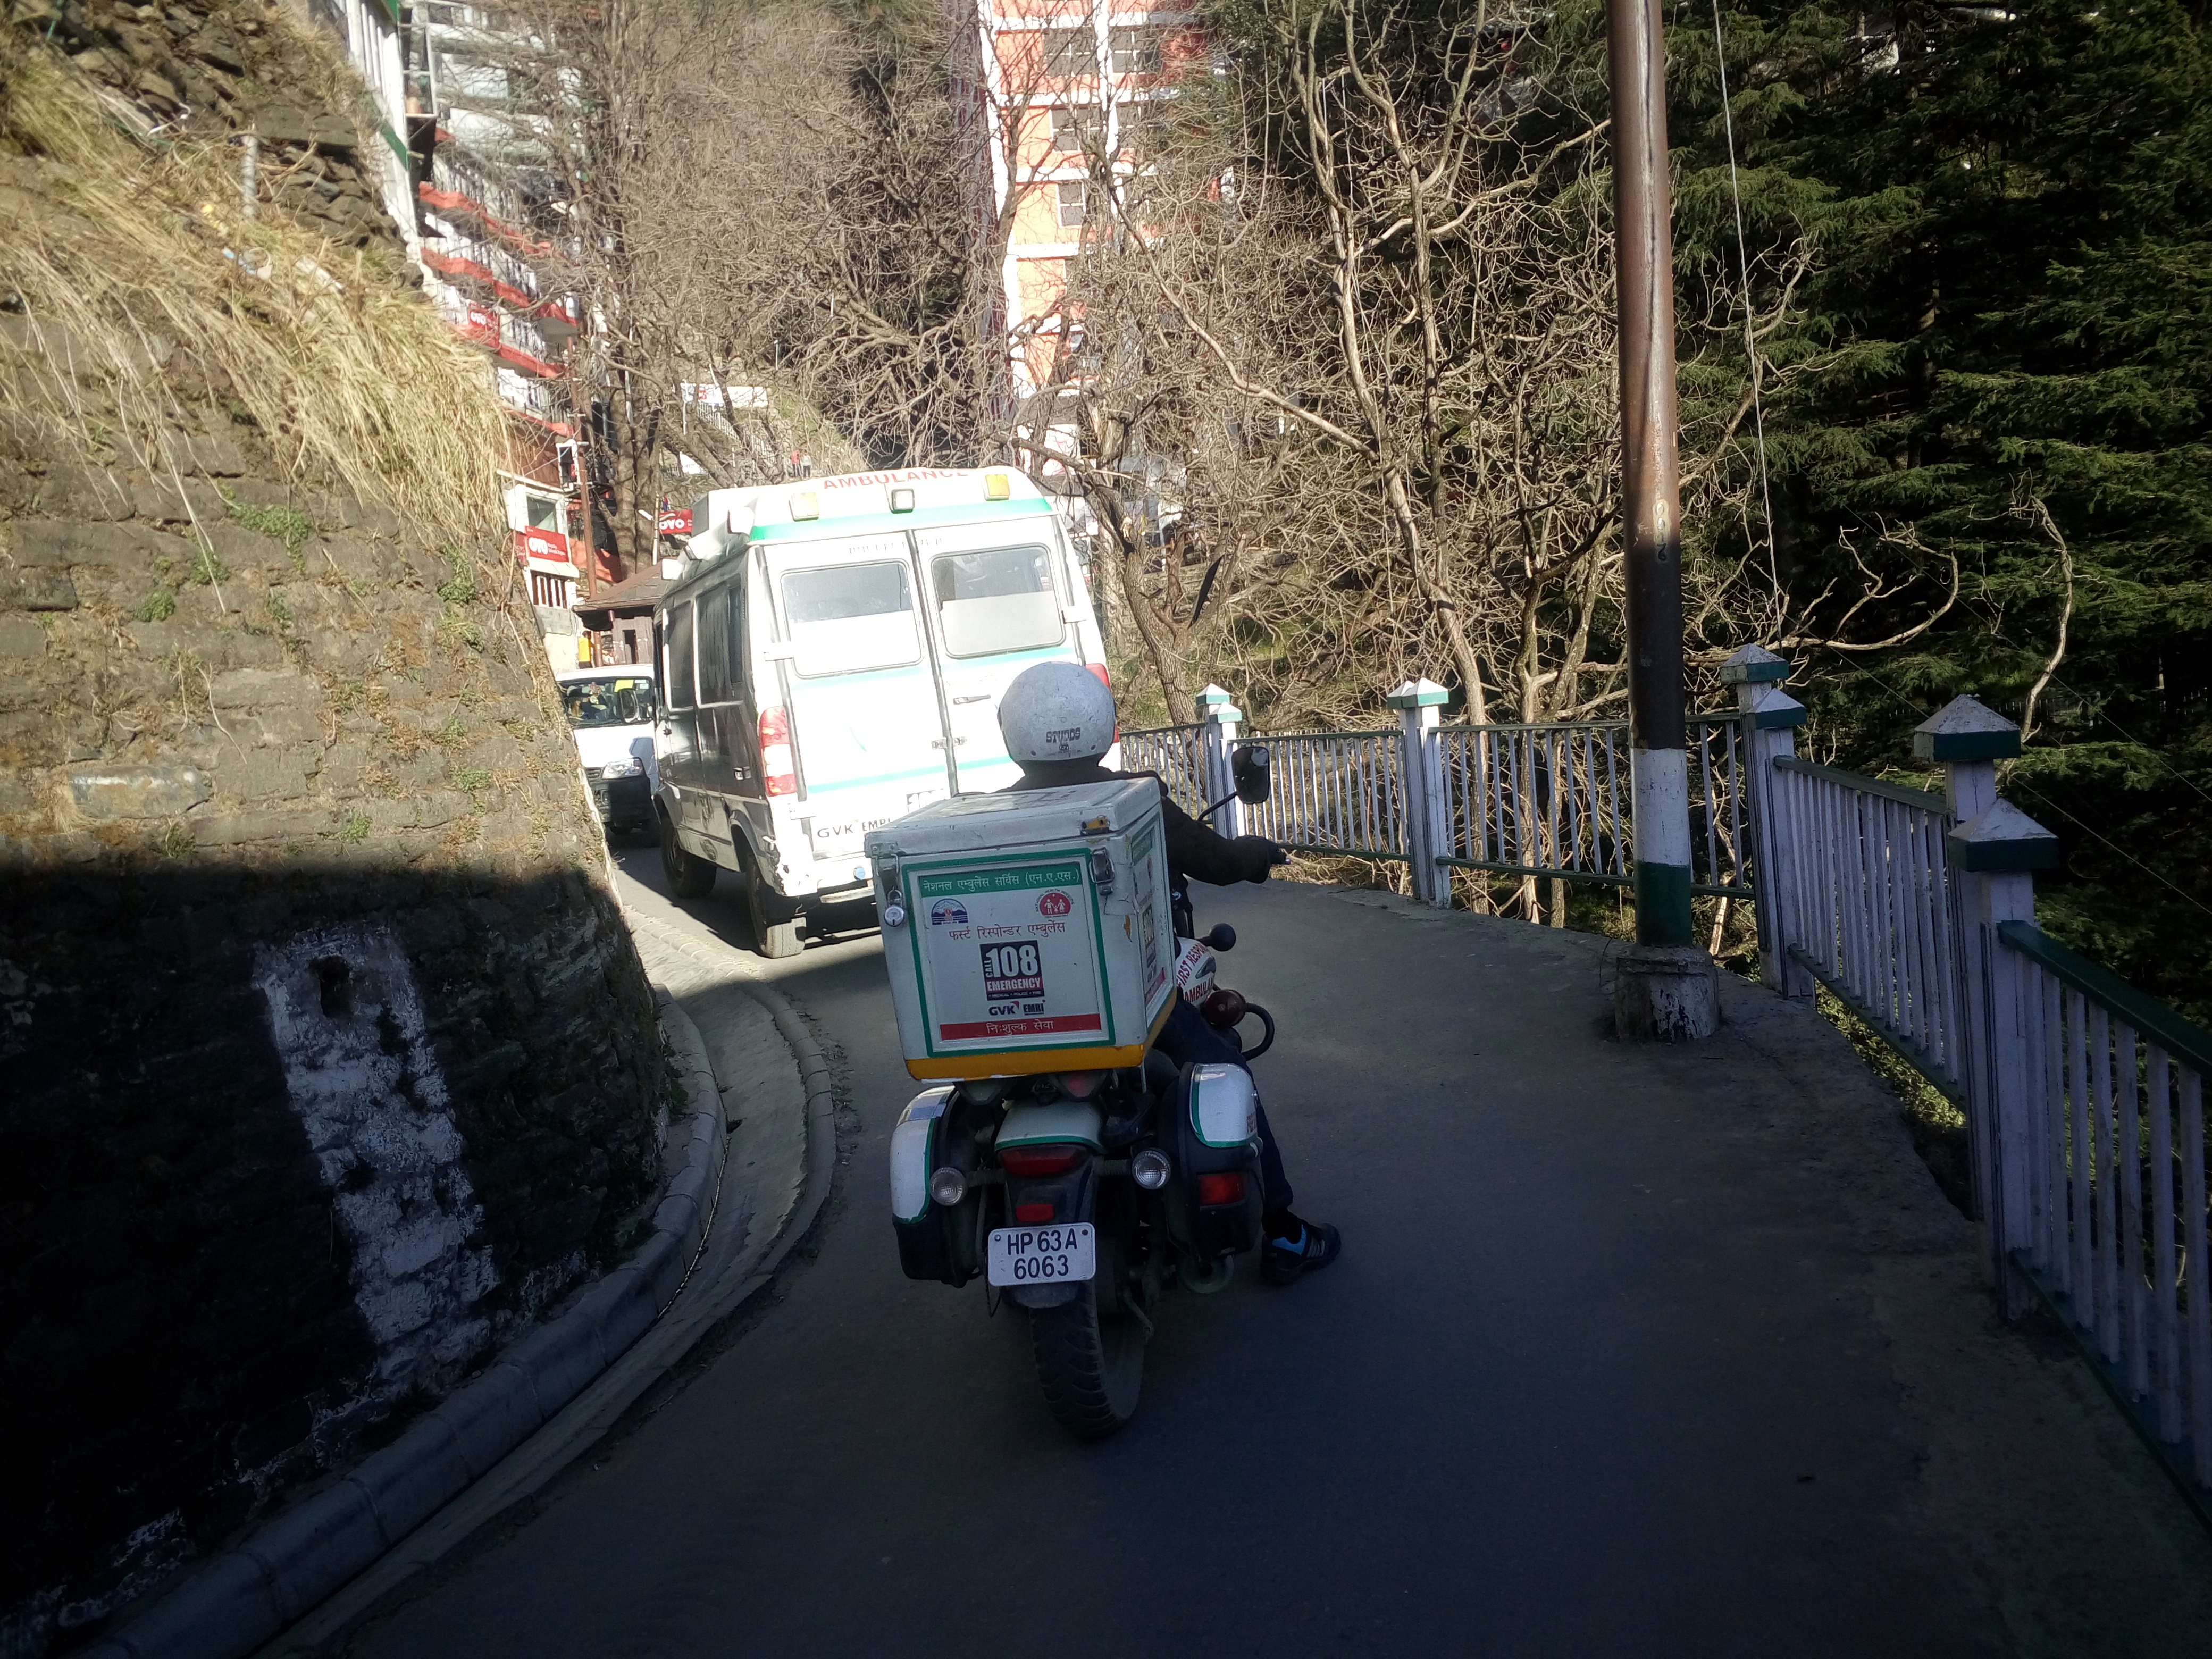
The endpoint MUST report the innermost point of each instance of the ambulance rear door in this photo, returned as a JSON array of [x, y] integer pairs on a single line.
[[850, 673], [1000, 597]]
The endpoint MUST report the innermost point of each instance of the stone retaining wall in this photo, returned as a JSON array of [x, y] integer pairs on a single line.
[[331, 1066], [217, 68]]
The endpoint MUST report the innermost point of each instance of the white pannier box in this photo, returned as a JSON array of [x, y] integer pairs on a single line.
[[1027, 932]]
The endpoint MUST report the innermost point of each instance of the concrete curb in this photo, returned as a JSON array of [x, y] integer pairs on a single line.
[[821, 1102], [821, 1125], [288, 1564]]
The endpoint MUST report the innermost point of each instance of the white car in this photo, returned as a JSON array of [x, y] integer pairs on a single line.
[[611, 711]]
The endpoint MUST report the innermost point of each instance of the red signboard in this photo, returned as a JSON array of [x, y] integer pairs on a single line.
[[675, 524], [482, 326], [542, 544]]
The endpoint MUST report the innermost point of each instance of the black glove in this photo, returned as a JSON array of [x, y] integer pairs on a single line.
[[1260, 854]]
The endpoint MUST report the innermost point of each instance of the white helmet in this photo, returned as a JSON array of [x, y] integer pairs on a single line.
[[1056, 711]]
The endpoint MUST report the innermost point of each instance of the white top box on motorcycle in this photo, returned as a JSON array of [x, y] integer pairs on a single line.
[[1028, 932]]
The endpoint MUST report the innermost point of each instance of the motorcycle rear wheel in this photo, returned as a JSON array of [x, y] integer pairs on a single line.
[[1092, 1368]]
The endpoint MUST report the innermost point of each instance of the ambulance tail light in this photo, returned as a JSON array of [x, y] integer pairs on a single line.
[[777, 771], [1106, 679]]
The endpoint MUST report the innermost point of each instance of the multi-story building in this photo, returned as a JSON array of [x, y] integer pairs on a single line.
[[467, 183], [1050, 97]]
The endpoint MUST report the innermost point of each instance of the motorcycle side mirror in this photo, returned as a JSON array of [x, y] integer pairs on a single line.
[[1255, 777], [1220, 937]]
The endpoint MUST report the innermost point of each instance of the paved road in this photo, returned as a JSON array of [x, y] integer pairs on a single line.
[[1619, 1360]]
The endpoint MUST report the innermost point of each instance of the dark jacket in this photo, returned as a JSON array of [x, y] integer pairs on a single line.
[[1193, 849]]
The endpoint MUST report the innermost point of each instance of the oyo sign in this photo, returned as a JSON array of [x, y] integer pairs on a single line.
[[542, 544]]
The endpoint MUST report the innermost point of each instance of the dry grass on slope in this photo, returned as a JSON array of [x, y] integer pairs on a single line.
[[136, 264]]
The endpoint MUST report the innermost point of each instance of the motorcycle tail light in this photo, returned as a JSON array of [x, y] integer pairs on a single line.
[[1080, 1086], [1041, 1160], [777, 771], [1222, 1188], [1030, 1215]]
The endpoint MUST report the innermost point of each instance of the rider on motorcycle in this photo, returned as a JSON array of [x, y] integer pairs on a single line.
[[1057, 718]]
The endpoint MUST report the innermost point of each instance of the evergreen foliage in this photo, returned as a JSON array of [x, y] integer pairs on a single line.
[[1985, 408], [2002, 360]]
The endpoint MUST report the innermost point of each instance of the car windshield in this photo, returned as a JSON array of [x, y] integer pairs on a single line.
[[626, 701], [1001, 600]]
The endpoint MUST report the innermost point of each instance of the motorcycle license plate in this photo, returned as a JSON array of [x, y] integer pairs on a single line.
[[1042, 1255]]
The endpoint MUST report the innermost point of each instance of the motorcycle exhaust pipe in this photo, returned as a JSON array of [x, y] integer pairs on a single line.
[[1206, 1277]]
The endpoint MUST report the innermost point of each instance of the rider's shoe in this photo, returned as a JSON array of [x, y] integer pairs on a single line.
[[1285, 1260]]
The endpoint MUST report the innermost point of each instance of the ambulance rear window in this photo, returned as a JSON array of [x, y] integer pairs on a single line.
[[850, 617], [1001, 600]]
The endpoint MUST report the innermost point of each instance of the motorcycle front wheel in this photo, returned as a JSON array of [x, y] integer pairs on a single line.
[[1092, 1368]]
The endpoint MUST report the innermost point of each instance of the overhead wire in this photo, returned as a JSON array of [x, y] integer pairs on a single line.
[[1750, 331], [2132, 738], [2126, 857], [2016, 782]]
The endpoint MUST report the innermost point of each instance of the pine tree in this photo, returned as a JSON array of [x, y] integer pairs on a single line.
[[2003, 361]]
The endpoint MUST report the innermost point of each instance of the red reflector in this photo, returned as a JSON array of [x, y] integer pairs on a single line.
[[779, 775], [1221, 1188], [1029, 1214], [1105, 679], [1041, 1160]]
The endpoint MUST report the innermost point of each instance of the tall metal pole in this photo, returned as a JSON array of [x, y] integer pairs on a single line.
[[1650, 493]]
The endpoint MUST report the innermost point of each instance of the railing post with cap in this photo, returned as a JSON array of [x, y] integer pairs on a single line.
[[1222, 718], [1420, 704], [1993, 849], [1770, 719]]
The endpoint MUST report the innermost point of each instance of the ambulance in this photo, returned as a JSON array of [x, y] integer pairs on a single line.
[[832, 652]]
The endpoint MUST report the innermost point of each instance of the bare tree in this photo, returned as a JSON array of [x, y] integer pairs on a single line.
[[1355, 300], [755, 206]]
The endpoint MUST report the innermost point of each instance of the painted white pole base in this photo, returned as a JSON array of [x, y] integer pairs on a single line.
[[1665, 994]]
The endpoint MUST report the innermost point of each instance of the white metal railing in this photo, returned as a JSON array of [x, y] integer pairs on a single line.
[[1536, 800], [1339, 792], [1334, 792], [1720, 806], [2115, 1200], [1179, 754], [1547, 800], [1870, 916], [2084, 1101]]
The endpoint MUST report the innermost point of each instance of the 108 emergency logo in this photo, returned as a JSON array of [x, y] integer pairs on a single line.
[[1011, 973]]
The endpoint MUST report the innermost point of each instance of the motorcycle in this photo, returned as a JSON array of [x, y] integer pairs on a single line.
[[1084, 1198]]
